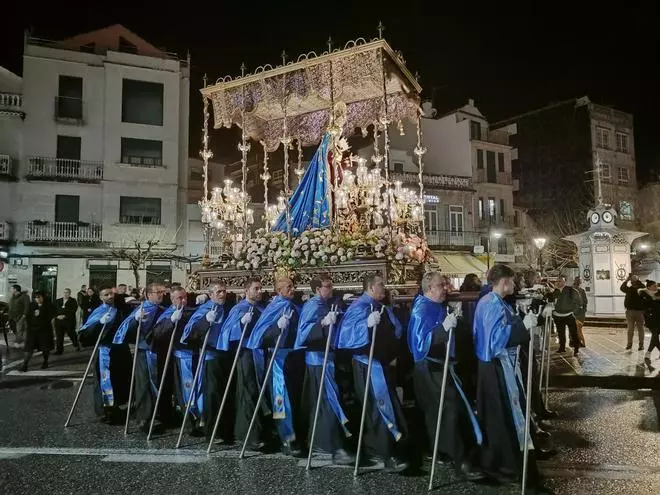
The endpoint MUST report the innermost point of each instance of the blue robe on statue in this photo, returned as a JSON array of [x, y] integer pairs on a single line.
[[310, 203], [314, 310], [282, 411], [355, 334]]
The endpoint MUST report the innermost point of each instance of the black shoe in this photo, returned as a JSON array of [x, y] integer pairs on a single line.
[[58, 353], [640, 348], [44, 365], [23, 368], [394, 465], [628, 347], [470, 473], [197, 432], [576, 352], [287, 448], [342, 458], [561, 350]]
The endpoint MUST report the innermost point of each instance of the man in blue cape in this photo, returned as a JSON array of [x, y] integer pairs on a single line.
[[315, 320], [208, 317], [242, 317], [143, 317], [498, 332], [175, 316], [113, 362], [428, 335], [385, 426], [279, 317]]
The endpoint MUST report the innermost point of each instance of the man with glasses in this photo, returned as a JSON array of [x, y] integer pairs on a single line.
[[313, 331], [113, 382], [143, 317]]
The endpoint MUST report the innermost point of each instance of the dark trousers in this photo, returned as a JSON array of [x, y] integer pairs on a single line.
[[62, 327], [655, 339], [561, 322]]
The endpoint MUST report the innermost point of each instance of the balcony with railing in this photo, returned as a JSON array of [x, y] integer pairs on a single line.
[[68, 110], [142, 161], [38, 231], [7, 169], [501, 221], [453, 240], [64, 170], [482, 177], [11, 103], [434, 181], [495, 137], [139, 220], [5, 231]]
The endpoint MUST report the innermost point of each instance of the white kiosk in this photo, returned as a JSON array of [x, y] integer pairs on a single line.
[[604, 252]]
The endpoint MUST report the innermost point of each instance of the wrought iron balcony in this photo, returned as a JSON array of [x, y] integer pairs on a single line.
[[68, 109], [481, 177], [11, 103], [142, 161], [503, 221], [5, 231], [62, 169], [451, 239], [434, 181], [6, 167], [38, 231], [139, 219]]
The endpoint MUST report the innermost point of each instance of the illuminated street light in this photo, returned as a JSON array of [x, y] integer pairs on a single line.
[[539, 242]]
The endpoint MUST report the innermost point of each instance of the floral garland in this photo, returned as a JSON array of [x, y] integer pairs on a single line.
[[324, 247]]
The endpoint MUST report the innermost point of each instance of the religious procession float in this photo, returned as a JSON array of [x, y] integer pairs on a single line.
[[345, 216]]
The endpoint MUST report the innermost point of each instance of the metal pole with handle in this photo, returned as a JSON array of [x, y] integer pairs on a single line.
[[229, 379], [528, 408], [135, 355], [162, 379], [321, 389], [84, 377]]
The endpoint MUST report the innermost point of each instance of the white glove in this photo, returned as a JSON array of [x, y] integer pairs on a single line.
[[450, 322], [211, 315], [129, 299], [246, 318], [374, 319], [547, 311], [530, 320], [283, 322], [329, 319], [105, 318], [346, 297], [176, 316], [139, 315], [201, 299]]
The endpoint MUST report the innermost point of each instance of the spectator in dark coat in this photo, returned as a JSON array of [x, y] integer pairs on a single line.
[[39, 330]]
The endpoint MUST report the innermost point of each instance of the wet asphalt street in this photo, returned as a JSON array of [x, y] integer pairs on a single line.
[[608, 441]]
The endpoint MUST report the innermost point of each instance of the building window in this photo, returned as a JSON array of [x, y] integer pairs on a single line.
[[625, 210], [491, 174], [622, 142], [456, 218], [67, 208], [475, 130], [68, 103], [500, 162], [502, 208], [492, 211], [602, 137], [481, 208], [196, 174], [605, 172], [624, 175], [142, 102], [68, 148], [139, 211], [480, 159], [398, 167], [142, 152]]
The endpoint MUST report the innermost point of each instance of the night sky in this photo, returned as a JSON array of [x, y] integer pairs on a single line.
[[508, 57]]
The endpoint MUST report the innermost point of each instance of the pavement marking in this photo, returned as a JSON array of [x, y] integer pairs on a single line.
[[49, 373], [170, 459], [11, 456]]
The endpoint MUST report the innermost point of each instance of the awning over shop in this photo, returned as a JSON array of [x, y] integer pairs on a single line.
[[458, 265]]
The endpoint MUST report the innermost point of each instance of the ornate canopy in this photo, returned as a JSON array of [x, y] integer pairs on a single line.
[[304, 92]]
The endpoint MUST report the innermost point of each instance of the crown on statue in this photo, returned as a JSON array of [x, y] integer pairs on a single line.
[[282, 273]]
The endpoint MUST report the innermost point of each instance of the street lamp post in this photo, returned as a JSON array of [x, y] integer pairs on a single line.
[[540, 244]]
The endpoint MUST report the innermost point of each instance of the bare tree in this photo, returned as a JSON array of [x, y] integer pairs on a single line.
[[145, 246]]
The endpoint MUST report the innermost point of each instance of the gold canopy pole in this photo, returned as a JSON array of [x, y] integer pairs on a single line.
[[420, 151], [244, 147], [286, 142], [206, 154], [265, 176], [386, 150]]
